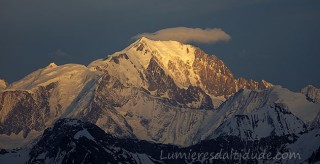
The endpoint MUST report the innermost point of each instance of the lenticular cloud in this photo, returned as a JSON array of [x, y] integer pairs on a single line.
[[185, 35]]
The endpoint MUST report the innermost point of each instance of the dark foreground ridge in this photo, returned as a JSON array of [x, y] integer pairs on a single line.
[[74, 141]]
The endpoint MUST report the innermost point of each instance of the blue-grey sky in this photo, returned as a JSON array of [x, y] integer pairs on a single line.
[[278, 41]]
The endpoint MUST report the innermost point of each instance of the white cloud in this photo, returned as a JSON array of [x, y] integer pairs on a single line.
[[185, 35]]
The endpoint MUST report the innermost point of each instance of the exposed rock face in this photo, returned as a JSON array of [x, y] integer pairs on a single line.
[[3, 84], [251, 84], [163, 85], [312, 93], [215, 77], [24, 111]]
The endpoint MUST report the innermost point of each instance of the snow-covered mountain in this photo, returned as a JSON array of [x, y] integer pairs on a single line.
[[40, 98], [160, 91], [274, 111]]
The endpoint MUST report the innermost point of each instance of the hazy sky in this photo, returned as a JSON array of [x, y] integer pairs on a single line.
[[278, 41]]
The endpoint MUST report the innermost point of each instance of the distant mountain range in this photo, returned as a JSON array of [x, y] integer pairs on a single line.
[[151, 97]]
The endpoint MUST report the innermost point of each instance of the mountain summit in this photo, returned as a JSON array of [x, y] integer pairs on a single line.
[[185, 64]]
